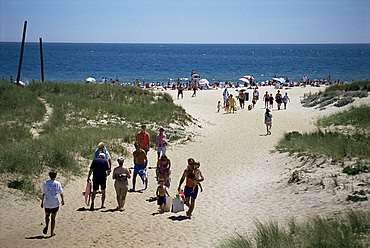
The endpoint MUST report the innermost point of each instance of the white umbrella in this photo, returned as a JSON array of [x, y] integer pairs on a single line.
[[244, 80], [90, 80]]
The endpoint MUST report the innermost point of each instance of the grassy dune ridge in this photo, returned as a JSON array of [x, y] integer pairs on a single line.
[[83, 115], [348, 136]]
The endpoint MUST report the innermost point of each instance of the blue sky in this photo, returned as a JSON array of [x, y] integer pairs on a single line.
[[187, 21]]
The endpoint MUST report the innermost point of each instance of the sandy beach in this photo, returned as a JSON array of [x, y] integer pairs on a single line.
[[244, 181]]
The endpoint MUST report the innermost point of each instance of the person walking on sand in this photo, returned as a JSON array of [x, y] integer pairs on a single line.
[[232, 103], [188, 174], [102, 149], [225, 95], [271, 101], [121, 174], [286, 99], [143, 138], [161, 194], [218, 106], [180, 90], [195, 88], [268, 121], [50, 190], [267, 99], [161, 144], [256, 93], [278, 99], [99, 168], [242, 98], [227, 106], [140, 165], [164, 169]]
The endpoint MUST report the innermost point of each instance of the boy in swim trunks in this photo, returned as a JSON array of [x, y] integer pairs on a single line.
[[197, 176], [161, 195], [141, 163]]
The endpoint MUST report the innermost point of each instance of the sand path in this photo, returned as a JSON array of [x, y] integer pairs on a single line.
[[242, 183], [36, 128]]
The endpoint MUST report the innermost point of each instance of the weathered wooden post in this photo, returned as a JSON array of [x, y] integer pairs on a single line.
[[42, 61], [20, 59]]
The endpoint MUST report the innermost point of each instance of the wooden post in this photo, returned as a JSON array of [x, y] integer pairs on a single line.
[[21, 57], [42, 61]]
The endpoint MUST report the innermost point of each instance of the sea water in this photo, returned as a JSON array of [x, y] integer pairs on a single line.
[[167, 62]]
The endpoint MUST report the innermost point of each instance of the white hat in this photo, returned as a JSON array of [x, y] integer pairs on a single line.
[[120, 160]]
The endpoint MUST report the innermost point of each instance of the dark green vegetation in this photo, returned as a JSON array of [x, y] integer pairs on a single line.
[[339, 95], [68, 135], [352, 140], [350, 230]]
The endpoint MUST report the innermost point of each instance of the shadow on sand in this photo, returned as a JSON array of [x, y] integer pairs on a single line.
[[39, 237], [179, 218]]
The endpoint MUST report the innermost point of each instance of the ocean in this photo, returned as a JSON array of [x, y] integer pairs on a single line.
[[167, 62]]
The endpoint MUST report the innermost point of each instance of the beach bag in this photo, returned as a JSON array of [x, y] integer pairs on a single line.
[[177, 204], [168, 204]]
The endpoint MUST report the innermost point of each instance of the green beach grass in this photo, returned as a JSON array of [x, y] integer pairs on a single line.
[[83, 115], [351, 229], [351, 140]]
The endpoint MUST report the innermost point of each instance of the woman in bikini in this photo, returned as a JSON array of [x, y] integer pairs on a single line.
[[190, 177]]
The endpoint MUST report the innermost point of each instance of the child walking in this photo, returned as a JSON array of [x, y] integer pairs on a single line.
[[218, 106], [161, 195]]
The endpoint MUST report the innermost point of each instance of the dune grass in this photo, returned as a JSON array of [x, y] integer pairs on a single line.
[[363, 85], [352, 140], [332, 144], [357, 117], [67, 135], [351, 229]]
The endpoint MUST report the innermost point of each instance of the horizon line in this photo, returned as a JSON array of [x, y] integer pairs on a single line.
[[194, 43]]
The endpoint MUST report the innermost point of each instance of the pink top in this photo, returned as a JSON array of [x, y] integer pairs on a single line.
[[161, 140]]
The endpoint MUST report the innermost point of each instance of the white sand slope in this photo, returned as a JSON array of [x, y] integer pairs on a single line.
[[244, 181]]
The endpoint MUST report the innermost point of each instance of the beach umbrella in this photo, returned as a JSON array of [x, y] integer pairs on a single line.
[[248, 77], [90, 80], [244, 80], [203, 81], [280, 80]]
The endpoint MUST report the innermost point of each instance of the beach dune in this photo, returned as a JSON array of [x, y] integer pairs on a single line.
[[244, 181]]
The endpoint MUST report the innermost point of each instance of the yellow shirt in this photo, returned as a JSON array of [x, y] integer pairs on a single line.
[[232, 101]]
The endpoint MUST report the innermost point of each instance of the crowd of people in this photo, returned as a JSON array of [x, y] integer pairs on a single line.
[[101, 168]]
